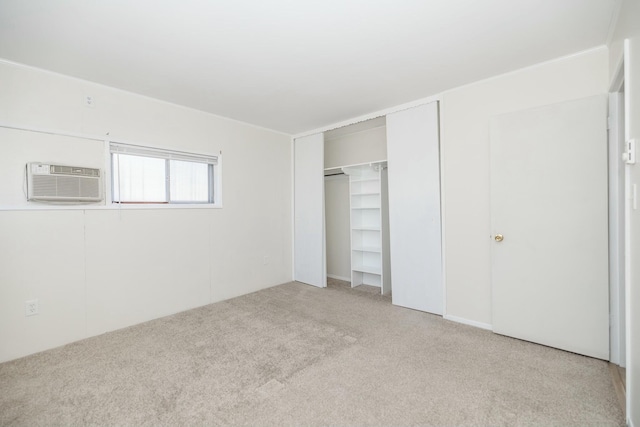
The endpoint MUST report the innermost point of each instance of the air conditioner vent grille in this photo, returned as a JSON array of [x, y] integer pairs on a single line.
[[90, 186], [44, 185], [67, 186], [73, 170]]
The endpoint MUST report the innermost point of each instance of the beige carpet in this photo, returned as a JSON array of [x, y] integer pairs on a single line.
[[299, 355]]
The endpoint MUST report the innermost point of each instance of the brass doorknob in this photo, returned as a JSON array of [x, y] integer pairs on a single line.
[[499, 237]]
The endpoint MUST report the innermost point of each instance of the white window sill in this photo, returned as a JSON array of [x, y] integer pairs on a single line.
[[109, 206]]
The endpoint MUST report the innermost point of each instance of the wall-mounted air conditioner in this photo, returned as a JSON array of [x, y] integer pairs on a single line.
[[59, 183]]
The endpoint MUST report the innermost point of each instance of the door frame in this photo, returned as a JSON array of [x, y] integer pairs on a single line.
[[618, 253]]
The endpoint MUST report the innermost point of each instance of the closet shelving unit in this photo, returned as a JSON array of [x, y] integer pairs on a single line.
[[369, 229]]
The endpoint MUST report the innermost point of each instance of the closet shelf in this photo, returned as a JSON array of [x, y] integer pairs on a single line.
[[365, 179], [369, 258], [367, 249], [367, 269], [366, 193]]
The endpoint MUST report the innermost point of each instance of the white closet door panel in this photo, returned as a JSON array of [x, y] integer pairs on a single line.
[[414, 208], [309, 238]]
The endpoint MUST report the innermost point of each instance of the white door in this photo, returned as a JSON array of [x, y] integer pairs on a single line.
[[632, 131], [549, 204], [413, 154], [309, 236]]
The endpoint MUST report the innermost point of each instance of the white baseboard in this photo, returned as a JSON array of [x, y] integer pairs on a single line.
[[468, 322], [333, 276]]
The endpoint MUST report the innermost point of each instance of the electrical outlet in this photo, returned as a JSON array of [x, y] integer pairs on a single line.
[[265, 261], [31, 307], [90, 101]]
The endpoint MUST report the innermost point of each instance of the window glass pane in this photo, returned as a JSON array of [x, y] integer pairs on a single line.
[[189, 181], [139, 179]]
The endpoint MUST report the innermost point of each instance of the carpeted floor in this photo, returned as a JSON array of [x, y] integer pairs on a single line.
[[299, 355]]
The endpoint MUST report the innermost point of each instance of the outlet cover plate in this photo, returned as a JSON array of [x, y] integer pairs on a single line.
[[31, 307]]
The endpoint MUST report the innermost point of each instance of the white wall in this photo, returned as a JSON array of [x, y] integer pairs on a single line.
[[628, 26], [97, 269], [465, 114], [354, 148], [336, 200]]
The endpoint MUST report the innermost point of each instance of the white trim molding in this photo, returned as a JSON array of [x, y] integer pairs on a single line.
[[468, 322]]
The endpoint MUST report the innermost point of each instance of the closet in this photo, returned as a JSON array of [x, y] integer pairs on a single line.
[[356, 205], [385, 184]]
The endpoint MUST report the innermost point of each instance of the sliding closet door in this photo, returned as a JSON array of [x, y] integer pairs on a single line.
[[309, 240], [414, 208]]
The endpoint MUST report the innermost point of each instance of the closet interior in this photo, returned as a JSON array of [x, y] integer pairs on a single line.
[[357, 204]]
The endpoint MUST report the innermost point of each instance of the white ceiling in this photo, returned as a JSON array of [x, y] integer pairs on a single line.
[[295, 65]]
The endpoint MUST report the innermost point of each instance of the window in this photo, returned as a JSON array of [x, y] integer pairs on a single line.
[[149, 175]]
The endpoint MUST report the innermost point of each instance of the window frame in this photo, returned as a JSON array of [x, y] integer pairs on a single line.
[[214, 171]]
